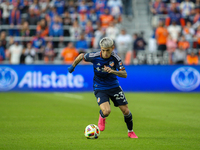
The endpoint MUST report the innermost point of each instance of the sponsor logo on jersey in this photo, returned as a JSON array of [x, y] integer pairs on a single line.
[[98, 64], [8, 78], [185, 78], [98, 69]]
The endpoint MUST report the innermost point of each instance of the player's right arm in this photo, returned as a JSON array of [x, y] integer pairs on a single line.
[[88, 57], [78, 59]]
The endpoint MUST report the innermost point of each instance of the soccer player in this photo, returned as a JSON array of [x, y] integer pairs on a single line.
[[105, 83]]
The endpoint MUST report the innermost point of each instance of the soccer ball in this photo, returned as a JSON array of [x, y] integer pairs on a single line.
[[92, 131]]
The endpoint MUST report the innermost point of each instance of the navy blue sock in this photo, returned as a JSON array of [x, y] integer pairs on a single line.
[[101, 113], [129, 121]]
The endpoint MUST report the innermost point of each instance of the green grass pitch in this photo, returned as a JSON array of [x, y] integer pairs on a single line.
[[162, 121]]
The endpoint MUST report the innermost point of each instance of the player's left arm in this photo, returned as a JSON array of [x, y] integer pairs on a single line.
[[120, 73]]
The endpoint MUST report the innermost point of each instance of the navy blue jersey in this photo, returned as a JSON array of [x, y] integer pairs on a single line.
[[104, 80]]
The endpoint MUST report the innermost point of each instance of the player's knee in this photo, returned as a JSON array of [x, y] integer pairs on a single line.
[[106, 112], [126, 111]]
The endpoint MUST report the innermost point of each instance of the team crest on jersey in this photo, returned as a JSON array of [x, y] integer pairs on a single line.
[[120, 63], [111, 63]]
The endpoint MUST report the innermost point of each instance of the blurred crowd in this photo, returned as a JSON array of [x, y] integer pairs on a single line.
[[46, 29], [176, 25]]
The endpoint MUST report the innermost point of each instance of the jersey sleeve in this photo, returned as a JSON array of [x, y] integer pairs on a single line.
[[88, 57], [118, 62], [120, 66]]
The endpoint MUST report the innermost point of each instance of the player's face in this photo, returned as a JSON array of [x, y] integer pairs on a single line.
[[106, 52]]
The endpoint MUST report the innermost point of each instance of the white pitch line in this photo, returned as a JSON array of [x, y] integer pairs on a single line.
[[69, 95]]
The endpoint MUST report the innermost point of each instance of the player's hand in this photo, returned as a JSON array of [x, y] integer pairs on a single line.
[[108, 69], [71, 69]]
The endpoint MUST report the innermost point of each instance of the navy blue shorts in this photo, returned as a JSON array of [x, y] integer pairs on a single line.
[[116, 95]]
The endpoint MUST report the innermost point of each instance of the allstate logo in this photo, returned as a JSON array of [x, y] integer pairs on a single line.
[[8, 78], [185, 78]]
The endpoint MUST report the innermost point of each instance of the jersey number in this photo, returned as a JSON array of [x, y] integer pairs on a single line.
[[119, 96]]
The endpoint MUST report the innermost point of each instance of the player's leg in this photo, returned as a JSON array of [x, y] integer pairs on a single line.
[[104, 104], [105, 109], [128, 119], [104, 112], [119, 100]]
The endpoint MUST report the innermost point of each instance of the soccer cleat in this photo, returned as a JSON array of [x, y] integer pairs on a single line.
[[132, 135], [101, 123]]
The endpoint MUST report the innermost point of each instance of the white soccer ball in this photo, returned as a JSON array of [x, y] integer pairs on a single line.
[[92, 131]]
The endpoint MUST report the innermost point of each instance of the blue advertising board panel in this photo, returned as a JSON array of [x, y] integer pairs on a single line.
[[162, 78], [55, 78]]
